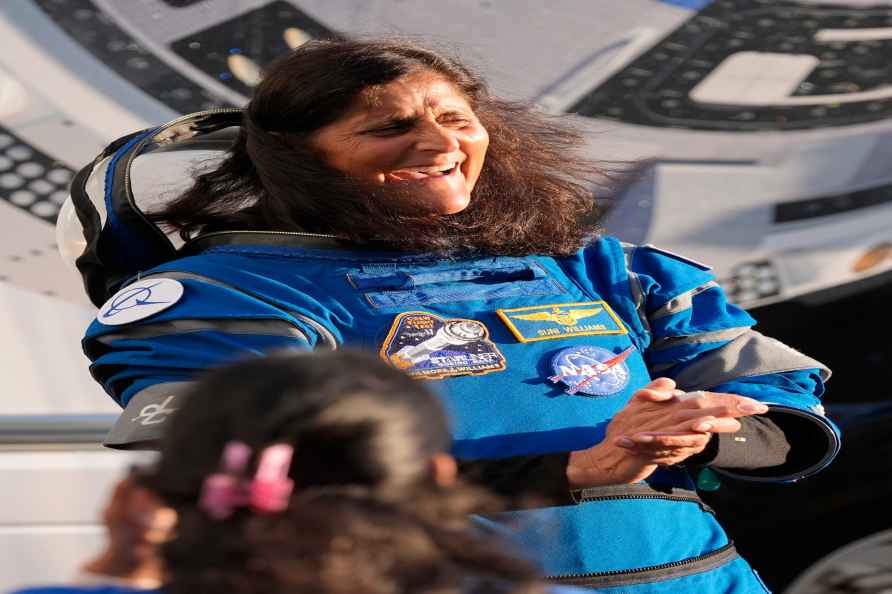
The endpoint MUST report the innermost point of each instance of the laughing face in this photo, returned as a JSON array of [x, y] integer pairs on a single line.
[[418, 130]]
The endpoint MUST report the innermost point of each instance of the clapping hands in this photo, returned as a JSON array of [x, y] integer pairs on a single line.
[[659, 426]]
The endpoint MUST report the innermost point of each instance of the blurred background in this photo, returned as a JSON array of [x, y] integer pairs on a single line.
[[762, 131]]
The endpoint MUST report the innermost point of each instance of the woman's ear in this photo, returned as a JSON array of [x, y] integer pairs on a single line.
[[444, 470]]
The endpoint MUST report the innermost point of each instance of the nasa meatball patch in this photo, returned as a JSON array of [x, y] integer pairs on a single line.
[[427, 346], [591, 370]]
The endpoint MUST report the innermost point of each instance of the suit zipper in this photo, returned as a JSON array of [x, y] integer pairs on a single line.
[[590, 495], [259, 232], [627, 576], [687, 498]]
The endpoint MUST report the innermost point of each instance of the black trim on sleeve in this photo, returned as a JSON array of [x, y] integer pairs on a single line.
[[760, 443], [541, 476], [811, 441]]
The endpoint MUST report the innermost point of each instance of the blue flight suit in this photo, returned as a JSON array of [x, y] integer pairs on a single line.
[[531, 355]]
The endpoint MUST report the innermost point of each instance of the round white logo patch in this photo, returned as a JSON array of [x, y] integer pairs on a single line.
[[140, 300]]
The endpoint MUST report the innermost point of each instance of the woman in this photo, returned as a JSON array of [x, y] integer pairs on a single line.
[[285, 475], [379, 197]]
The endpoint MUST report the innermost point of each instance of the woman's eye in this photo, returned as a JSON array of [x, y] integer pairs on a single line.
[[457, 121], [388, 130]]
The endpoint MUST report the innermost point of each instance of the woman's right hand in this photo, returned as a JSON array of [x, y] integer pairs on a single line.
[[657, 427]]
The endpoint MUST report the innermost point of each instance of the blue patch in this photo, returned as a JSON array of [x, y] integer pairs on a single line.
[[462, 292], [427, 346], [591, 370], [421, 286]]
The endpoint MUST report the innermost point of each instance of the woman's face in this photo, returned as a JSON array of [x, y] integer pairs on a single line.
[[418, 130]]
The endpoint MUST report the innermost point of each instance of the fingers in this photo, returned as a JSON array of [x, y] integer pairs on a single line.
[[726, 412], [665, 449], [682, 396], [659, 390], [713, 425], [664, 441], [691, 434], [705, 424], [719, 404], [661, 383]]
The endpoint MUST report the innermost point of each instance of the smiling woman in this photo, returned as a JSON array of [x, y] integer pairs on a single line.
[[378, 197], [418, 129], [388, 141]]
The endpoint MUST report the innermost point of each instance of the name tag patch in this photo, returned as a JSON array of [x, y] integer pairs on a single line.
[[427, 346], [551, 322], [591, 370]]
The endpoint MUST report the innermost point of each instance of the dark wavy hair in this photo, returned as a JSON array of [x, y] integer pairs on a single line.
[[366, 514], [535, 193]]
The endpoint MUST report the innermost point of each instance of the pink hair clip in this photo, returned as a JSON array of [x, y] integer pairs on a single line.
[[268, 492], [271, 488], [224, 491]]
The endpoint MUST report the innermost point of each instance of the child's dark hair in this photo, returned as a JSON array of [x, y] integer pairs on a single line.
[[365, 516]]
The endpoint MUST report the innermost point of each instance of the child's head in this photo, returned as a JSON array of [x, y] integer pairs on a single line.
[[368, 512], [351, 419]]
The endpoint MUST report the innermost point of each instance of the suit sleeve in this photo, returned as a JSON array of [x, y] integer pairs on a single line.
[[688, 331], [538, 478], [703, 342], [148, 365]]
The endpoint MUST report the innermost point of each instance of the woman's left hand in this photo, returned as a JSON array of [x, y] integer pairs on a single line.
[[666, 449], [711, 413]]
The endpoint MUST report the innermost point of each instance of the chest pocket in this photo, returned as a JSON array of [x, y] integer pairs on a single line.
[[388, 287]]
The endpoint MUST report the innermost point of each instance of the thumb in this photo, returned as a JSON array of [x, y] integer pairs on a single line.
[[661, 383], [658, 390]]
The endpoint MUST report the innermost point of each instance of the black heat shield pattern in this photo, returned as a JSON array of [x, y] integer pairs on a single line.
[[257, 34], [30, 179], [653, 90], [98, 33]]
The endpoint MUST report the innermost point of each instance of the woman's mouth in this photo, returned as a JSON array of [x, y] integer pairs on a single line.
[[420, 174]]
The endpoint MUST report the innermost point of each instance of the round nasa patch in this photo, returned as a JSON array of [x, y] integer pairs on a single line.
[[591, 370], [140, 300]]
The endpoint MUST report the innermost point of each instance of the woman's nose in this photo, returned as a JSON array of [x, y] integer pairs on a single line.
[[434, 137]]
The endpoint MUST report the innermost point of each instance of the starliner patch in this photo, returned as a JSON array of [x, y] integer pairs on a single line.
[[591, 370], [427, 346], [560, 320]]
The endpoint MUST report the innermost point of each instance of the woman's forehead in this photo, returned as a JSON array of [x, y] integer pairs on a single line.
[[407, 96]]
